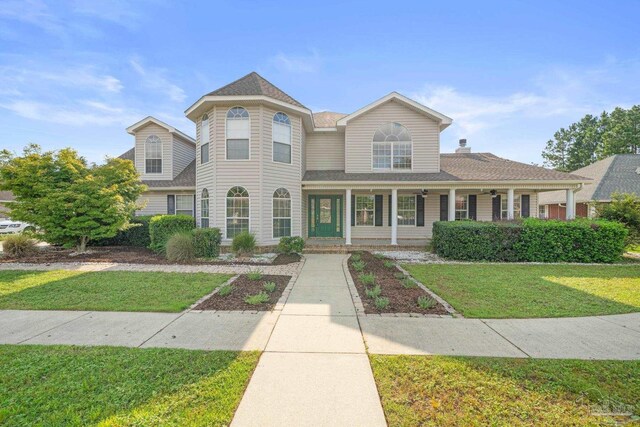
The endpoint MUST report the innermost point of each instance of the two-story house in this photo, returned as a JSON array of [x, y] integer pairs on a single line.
[[265, 163]]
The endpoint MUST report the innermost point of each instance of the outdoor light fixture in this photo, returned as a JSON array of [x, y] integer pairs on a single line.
[[494, 193], [425, 193]]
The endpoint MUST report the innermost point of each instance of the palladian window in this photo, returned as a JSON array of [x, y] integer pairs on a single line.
[[281, 213], [281, 138], [237, 211], [153, 155], [238, 134], [391, 148]]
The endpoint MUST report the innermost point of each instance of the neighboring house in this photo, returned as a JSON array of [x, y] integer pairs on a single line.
[[5, 196], [619, 173], [265, 163]]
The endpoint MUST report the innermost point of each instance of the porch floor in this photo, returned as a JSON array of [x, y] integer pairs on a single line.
[[323, 245]]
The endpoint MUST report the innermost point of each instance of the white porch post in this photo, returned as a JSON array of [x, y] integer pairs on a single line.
[[510, 197], [571, 205], [452, 205], [394, 216], [347, 228]]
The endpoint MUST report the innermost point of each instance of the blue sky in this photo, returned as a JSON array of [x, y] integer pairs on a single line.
[[76, 73]]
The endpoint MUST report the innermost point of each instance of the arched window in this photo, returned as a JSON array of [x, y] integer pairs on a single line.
[[281, 213], [391, 147], [153, 154], [238, 133], [204, 209], [204, 139], [237, 211], [281, 138]]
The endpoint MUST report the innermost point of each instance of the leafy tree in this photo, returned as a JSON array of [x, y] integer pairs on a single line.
[[71, 202], [624, 208], [622, 132]]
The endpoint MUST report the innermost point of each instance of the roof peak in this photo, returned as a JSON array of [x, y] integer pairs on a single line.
[[254, 84]]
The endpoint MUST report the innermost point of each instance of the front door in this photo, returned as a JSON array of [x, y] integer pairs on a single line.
[[325, 216]]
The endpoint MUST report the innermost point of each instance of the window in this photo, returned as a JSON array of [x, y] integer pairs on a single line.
[[542, 211], [365, 210], [204, 209], [237, 211], [281, 138], [505, 203], [281, 213], [153, 155], [238, 132], [391, 148], [462, 207], [204, 139], [184, 204], [406, 210]]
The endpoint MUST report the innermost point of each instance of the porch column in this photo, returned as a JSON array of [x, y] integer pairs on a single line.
[[394, 216], [571, 205], [510, 197], [452, 205], [347, 228]]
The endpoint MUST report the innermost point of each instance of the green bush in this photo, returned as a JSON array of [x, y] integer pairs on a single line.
[[243, 243], [18, 245], [207, 242], [291, 245], [531, 240], [256, 299], [225, 290], [180, 247], [358, 265], [381, 303], [254, 274], [269, 287], [374, 292], [367, 278], [162, 227], [425, 302], [624, 208], [136, 235]]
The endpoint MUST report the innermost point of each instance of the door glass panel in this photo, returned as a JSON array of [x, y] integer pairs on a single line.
[[338, 214], [312, 213], [325, 211]]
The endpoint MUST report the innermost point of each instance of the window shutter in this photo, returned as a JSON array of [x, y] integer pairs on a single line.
[[389, 210], [496, 208], [525, 205], [353, 211], [444, 207], [171, 204], [378, 209], [473, 203], [420, 210]]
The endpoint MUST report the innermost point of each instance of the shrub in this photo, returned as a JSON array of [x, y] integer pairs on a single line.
[[207, 242], [225, 290], [356, 257], [379, 256], [162, 227], [381, 303], [291, 245], [374, 292], [399, 275], [18, 245], [425, 302], [180, 248], [256, 299], [407, 283], [389, 264], [269, 286], [136, 235], [367, 278], [359, 265], [624, 208], [254, 275], [243, 243]]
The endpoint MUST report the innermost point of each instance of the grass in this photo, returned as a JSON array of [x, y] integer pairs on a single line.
[[104, 290], [459, 391], [78, 386], [522, 291]]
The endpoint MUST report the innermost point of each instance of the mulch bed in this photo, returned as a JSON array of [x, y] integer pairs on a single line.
[[126, 254], [243, 287], [401, 299]]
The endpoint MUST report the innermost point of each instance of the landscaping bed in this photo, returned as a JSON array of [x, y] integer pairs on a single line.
[[246, 286], [400, 294]]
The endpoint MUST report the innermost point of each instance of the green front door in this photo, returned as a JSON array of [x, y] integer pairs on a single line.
[[325, 216]]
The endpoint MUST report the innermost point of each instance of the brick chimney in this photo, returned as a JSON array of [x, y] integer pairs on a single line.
[[463, 147]]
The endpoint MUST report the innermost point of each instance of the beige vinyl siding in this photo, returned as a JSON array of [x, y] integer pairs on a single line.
[[156, 202], [205, 173], [425, 136], [303, 158], [325, 150], [183, 153], [167, 151]]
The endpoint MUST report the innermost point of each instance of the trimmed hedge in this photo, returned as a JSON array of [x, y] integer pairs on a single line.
[[162, 227], [531, 240], [291, 245], [137, 235], [207, 242]]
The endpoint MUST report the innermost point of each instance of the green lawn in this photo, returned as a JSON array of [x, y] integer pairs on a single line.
[[110, 386], [521, 291], [458, 391], [104, 290]]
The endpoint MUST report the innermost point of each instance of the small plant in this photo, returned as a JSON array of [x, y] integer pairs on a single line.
[[256, 299], [426, 302], [367, 279], [379, 256], [374, 292], [269, 287], [389, 264], [254, 274], [356, 257], [291, 245], [243, 244], [381, 303], [225, 290], [180, 248], [399, 275], [207, 242], [19, 245], [359, 266], [407, 283]]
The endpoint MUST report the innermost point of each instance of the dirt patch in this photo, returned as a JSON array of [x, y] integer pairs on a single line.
[[401, 299], [127, 254], [242, 288]]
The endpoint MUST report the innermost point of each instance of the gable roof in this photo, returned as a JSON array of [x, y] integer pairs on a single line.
[[618, 173], [326, 119], [149, 119], [395, 96], [129, 155], [186, 178], [254, 84]]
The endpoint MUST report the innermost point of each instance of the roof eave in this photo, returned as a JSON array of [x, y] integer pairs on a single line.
[[150, 119]]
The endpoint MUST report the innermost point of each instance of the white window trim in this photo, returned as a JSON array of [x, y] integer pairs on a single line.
[[202, 141], [456, 210], [273, 141], [208, 208], [517, 213], [161, 155], [545, 209], [290, 218], [391, 169], [226, 238], [175, 199], [356, 210], [226, 159], [415, 211]]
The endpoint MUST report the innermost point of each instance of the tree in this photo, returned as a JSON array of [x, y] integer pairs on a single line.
[[71, 203], [622, 134], [624, 208]]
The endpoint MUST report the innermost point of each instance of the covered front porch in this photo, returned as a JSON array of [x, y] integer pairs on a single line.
[[322, 245]]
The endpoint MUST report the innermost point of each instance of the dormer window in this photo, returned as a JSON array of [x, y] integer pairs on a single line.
[[238, 134], [204, 139], [153, 154], [281, 138], [391, 148]]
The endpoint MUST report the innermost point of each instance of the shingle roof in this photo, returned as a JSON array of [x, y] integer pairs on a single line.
[[455, 167], [186, 178], [618, 173], [327, 119], [129, 155], [254, 84]]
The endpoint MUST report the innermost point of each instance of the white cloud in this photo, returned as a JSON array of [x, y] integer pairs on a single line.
[[33, 12], [297, 63], [154, 79], [87, 113], [13, 77]]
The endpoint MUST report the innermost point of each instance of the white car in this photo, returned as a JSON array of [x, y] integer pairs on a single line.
[[12, 227]]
